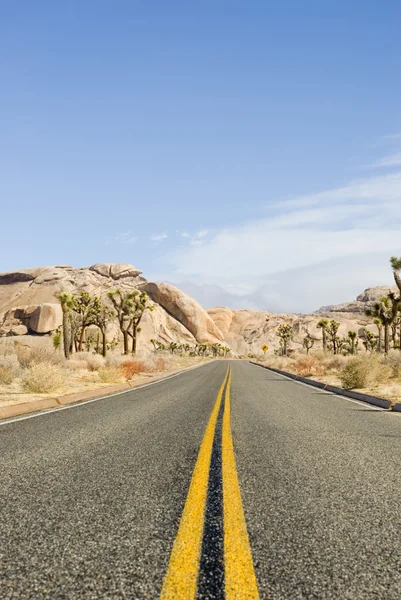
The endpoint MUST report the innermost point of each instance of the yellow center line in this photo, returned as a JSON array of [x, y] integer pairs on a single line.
[[182, 574], [240, 578]]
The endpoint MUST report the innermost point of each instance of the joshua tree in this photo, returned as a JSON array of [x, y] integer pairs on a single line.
[[57, 338], [102, 318], [285, 333], [67, 304], [140, 305], [394, 330], [379, 324], [201, 349], [155, 344], [386, 310], [216, 349], [173, 347], [87, 307], [323, 324], [129, 307], [353, 341], [369, 340], [332, 329], [225, 350], [308, 342], [396, 266]]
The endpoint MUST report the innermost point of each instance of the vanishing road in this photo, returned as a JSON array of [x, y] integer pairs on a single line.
[[161, 493]]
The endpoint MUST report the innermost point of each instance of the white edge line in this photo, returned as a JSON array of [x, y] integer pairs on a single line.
[[78, 404], [360, 402]]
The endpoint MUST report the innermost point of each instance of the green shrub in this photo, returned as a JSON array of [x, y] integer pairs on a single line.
[[354, 375], [363, 372]]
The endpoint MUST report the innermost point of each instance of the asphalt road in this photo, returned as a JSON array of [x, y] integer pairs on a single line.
[[91, 497]]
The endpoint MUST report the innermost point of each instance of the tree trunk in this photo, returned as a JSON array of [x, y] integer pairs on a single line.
[[380, 342], [285, 347], [134, 332], [81, 338], [324, 340], [394, 333], [66, 334], [125, 336], [386, 338], [104, 342]]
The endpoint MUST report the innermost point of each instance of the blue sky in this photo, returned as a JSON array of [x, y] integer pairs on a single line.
[[249, 152]]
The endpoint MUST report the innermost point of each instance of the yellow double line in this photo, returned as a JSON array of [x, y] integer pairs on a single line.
[[181, 579]]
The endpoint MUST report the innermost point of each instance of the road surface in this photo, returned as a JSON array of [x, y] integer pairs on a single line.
[[140, 495]]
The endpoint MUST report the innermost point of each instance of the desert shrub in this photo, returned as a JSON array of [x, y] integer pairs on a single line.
[[7, 375], [354, 375], [115, 360], [364, 372], [9, 368], [90, 361], [307, 365], [334, 363], [75, 365], [110, 374], [7, 347], [28, 356], [10, 361], [130, 368], [160, 363], [151, 364], [43, 377], [393, 360]]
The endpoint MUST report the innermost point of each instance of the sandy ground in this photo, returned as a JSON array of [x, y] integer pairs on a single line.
[[390, 391], [84, 380]]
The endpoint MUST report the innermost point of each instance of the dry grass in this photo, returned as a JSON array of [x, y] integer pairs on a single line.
[[393, 360], [136, 366], [371, 373], [89, 361], [305, 366], [28, 356], [30, 368], [111, 374], [7, 375], [43, 377], [336, 362]]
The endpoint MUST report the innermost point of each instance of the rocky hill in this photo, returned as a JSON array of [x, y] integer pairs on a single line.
[[29, 302], [29, 306]]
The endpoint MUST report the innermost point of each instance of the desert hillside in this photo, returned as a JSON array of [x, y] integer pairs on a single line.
[[29, 305]]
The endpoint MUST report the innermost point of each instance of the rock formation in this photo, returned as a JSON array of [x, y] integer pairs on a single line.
[[29, 306]]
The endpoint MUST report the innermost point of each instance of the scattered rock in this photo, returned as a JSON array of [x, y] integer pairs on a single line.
[[46, 318], [17, 330]]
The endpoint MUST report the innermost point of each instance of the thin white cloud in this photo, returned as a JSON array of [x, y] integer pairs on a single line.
[[201, 234], [340, 226], [126, 238], [159, 237], [391, 137], [196, 239], [392, 160]]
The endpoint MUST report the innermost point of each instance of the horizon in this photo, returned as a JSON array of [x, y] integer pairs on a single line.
[[249, 155], [239, 307]]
